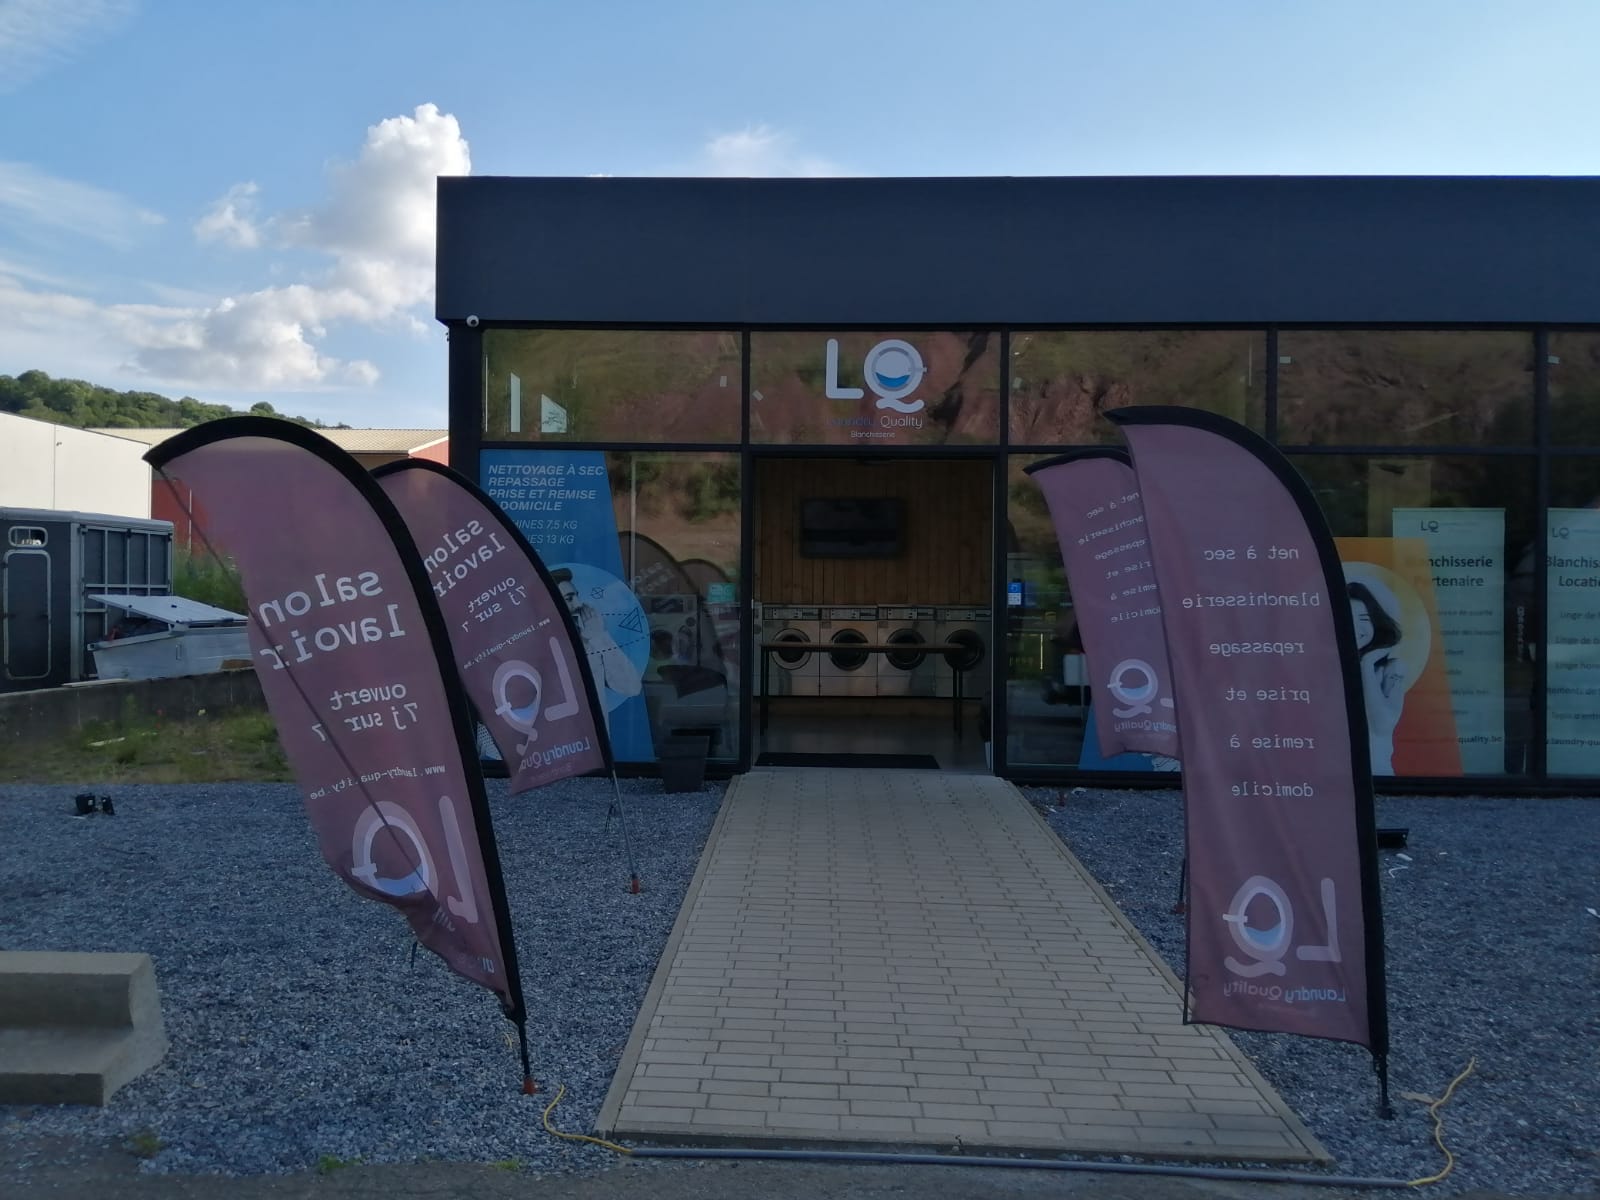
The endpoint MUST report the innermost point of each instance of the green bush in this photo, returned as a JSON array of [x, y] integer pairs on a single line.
[[207, 579]]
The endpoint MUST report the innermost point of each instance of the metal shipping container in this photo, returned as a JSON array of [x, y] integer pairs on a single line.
[[50, 562]]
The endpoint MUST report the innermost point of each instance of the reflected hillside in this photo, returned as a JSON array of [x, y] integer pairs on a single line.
[[1454, 388], [1062, 382], [611, 385]]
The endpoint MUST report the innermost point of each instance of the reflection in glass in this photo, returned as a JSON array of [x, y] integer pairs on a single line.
[[875, 390], [1408, 388], [611, 385], [678, 535], [1046, 686], [1575, 389], [1442, 548], [1062, 381]]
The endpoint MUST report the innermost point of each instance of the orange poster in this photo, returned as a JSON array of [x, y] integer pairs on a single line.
[[1410, 723]]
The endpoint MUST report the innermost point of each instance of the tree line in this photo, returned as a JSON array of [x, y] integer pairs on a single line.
[[89, 406]]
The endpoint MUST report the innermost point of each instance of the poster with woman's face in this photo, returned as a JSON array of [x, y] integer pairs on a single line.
[[1405, 685]]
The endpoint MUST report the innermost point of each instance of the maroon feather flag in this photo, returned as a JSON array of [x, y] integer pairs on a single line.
[[1093, 497], [512, 639], [1284, 929], [348, 644]]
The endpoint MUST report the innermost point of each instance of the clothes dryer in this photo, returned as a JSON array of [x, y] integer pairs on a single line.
[[911, 671], [847, 672], [969, 631], [791, 672]]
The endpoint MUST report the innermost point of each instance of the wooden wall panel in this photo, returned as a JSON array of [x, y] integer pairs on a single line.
[[947, 560]]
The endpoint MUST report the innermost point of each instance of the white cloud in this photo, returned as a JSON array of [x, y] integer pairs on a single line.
[[29, 196], [377, 226], [36, 35], [761, 151], [68, 334], [374, 233], [231, 220]]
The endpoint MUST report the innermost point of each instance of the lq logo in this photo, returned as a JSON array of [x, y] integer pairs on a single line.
[[1267, 945], [522, 718], [1135, 683], [893, 369]]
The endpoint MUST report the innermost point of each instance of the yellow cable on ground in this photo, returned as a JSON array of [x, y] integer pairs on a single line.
[[1438, 1126], [576, 1137]]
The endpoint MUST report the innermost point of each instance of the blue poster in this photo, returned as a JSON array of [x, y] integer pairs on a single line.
[[561, 502]]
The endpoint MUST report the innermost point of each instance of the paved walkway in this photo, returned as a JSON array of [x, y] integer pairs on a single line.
[[914, 959]]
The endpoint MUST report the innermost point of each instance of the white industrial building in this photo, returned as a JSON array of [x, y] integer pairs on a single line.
[[47, 466]]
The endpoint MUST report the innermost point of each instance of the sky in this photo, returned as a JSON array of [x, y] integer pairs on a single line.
[[235, 201]]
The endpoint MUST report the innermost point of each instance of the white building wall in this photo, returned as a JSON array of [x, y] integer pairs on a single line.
[[54, 466]]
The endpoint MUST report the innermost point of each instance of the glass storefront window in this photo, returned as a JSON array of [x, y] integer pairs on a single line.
[[565, 385], [678, 536], [1575, 389], [1444, 548], [1062, 381], [1445, 543], [651, 543], [1405, 388], [1046, 686], [1572, 599], [875, 390]]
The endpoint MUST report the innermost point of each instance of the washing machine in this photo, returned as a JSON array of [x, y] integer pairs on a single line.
[[968, 629], [791, 672], [847, 672], [911, 671]]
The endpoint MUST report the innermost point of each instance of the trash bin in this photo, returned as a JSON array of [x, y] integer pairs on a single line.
[[683, 761]]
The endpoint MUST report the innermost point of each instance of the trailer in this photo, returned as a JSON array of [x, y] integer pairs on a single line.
[[51, 563]]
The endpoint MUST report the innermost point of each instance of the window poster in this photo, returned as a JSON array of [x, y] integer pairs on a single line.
[[1466, 552], [1405, 684], [1572, 692], [561, 502]]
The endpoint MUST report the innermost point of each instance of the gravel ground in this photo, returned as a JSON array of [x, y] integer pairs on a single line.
[[1493, 952], [302, 1035]]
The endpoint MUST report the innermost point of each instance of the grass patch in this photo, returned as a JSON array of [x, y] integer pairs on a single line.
[[146, 1143], [327, 1164], [225, 748]]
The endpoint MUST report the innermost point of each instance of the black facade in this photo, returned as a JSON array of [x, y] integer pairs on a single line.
[[1410, 343]]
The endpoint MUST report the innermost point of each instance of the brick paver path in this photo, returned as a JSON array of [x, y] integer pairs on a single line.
[[914, 959]]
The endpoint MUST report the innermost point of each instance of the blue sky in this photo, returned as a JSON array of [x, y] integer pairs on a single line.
[[235, 201]]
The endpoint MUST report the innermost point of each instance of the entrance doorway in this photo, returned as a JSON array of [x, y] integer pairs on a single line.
[[874, 633]]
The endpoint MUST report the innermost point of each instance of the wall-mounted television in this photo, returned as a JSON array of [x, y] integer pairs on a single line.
[[871, 527]]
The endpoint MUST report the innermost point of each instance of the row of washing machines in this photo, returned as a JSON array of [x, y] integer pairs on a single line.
[[911, 671]]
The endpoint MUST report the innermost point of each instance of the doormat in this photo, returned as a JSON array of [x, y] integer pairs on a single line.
[[911, 762]]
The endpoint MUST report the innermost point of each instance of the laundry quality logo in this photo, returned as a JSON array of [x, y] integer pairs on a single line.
[[1268, 944], [522, 717], [893, 369], [1135, 684]]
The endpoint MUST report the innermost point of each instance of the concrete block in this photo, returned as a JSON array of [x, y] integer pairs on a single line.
[[75, 1027]]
